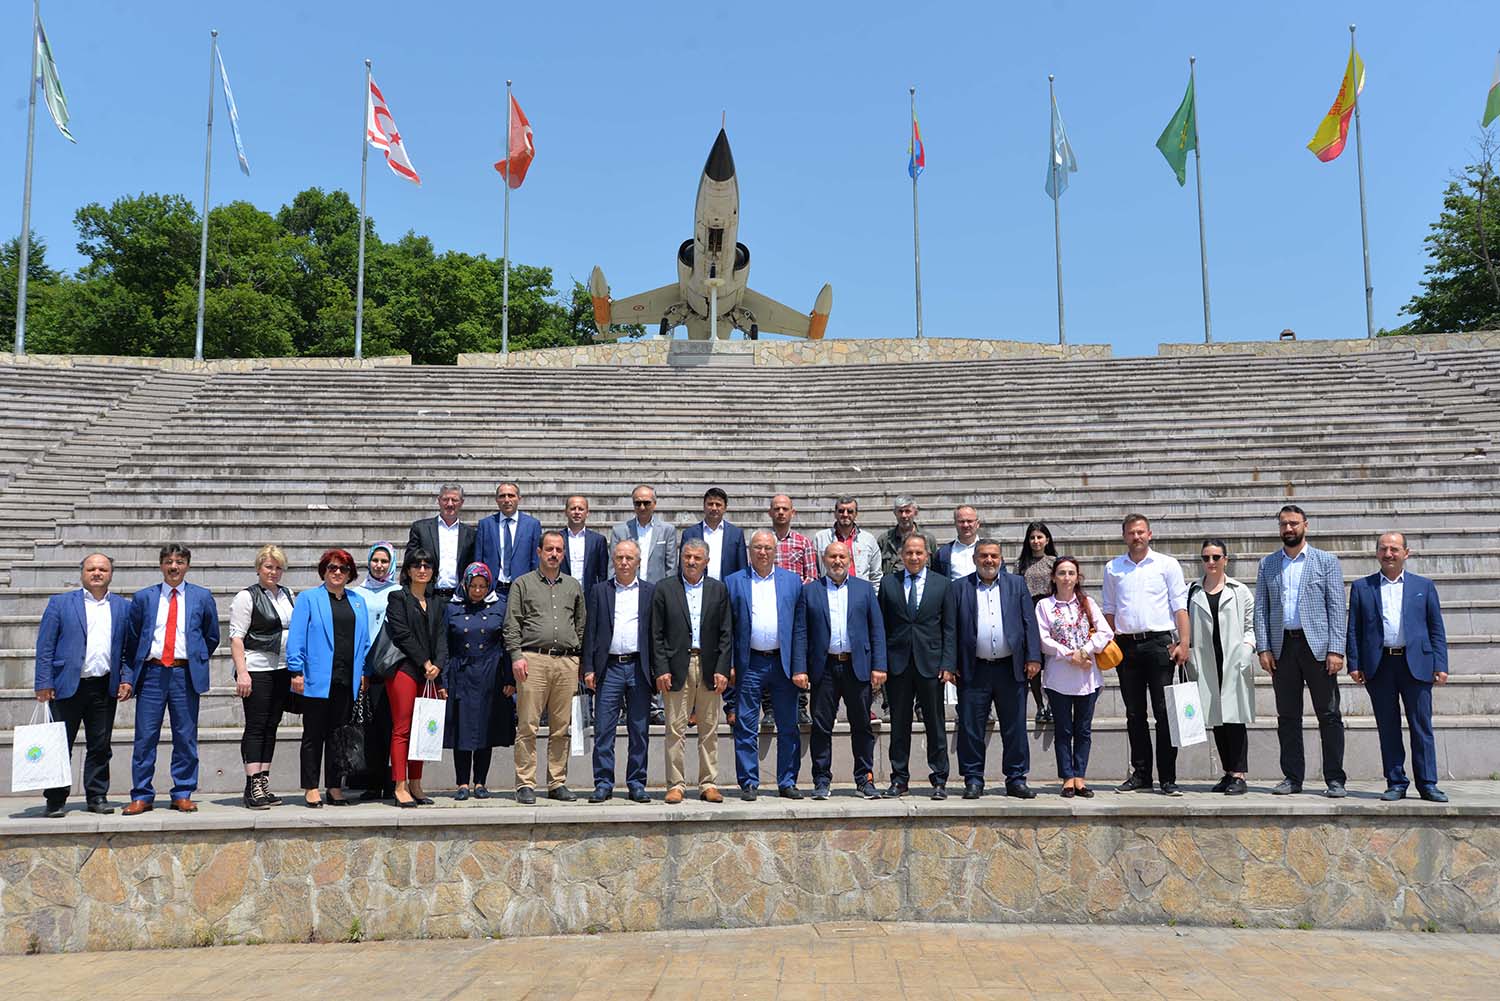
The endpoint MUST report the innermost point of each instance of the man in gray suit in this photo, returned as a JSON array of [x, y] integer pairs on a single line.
[[657, 539], [1300, 622]]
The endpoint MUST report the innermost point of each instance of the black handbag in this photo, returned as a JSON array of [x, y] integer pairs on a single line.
[[383, 657], [349, 742]]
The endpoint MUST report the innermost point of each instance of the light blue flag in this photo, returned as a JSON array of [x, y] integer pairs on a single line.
[[234, 118], [1063, 161]]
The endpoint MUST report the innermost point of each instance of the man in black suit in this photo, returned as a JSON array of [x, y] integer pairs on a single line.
[[446, 539], [587, 555], [617, 665], [918, 608], [691, 638]]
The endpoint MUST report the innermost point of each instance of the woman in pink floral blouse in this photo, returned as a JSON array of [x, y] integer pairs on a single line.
[[1073, 631]]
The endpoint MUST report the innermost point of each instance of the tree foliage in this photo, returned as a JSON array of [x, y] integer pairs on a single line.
[[1461, 290]]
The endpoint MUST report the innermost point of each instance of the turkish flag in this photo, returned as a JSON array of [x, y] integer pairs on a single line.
[[522, 149]]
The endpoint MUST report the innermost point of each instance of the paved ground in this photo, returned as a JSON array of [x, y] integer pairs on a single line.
[[859, 962]]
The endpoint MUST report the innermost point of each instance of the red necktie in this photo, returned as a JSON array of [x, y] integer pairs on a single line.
[[169, 641]]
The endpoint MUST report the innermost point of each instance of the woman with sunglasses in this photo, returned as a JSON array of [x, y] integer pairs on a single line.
[[1073, 631], [1038, 553], [326, 645], [414, 622], [1222, 658]]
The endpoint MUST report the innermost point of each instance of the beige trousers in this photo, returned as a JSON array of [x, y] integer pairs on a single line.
[[705, 702], [551, 682]]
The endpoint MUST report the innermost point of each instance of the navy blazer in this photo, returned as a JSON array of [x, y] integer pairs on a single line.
[[201, 628], [791, 616], [309, 644], [925, 642], [1421, 627], [62, 640], [734, 556], [866, 630], [599, 630], [1018, 616], [595, 558], [489, 538]]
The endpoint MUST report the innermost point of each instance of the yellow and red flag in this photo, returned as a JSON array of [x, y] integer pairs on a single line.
[[1328, 142]]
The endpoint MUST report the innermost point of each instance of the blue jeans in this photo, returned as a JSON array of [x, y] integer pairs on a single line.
[[1073, 723], [766, 673], [621, 688], [159, 691]]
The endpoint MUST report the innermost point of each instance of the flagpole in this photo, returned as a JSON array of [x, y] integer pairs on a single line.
[[1056, 212], [505, 277], [36, 16], [359, 281], [916, 236], [208, 159], [1364, 225], [1208, 329]]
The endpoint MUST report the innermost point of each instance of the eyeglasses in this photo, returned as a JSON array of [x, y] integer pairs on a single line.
[[342, 568], [1213, 557], [643, 503]]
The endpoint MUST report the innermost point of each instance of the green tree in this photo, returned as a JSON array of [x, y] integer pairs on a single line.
[[41, 280], [1461, 290]]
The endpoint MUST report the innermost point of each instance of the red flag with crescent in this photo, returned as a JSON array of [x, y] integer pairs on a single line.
[[522, 149]]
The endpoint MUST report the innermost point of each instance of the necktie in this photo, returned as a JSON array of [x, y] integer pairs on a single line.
[[509, 550], [911, 595], [169, 641]]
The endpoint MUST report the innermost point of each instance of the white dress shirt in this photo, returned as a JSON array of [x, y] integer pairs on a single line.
[[626, 637], [1392, 593], [576, 547], [763, 634], [713, 538], [990, 641], [159, 634], [961, 559], [1143, 596], [100, 625], [504, 568], [838, 615], [694, 593], [643, 535], [919, 582], [447, 555], [242, 613]]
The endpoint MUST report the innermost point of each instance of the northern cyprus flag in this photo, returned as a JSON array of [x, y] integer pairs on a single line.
[[381, 131], [1492, 106]]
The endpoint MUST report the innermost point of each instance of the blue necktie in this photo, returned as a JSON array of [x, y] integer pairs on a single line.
[[509, 550], [911, 595]]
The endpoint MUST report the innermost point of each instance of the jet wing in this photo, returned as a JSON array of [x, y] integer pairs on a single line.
[[773, 317], [647, 307]]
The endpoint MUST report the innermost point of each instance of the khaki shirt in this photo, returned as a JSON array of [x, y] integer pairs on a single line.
[[542, 614]]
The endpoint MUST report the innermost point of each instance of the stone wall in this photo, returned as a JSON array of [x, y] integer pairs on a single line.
[[851, 351], [208, 366], [1476, 340], [440, 878]]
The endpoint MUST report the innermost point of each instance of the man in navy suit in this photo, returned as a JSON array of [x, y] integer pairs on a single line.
[[725, 540], [999, 650], [1398, 649], [918, 608], [79, 655], [586, 557], [176, 629], [843, 658], [769, 624], [617, 665], [508, 540]]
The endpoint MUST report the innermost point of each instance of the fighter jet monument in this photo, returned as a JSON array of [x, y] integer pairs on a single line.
[[710, 296]]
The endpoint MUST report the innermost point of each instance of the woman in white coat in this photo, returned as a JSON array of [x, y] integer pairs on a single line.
[[1222, 659]]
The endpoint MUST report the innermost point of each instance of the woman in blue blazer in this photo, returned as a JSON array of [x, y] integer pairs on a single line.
[[326, 646]]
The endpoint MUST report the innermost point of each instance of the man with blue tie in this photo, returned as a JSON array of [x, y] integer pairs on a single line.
[[725, 540], [1398, 649], [843, 658], [176, 626], [80, 647], [999, 651], [508, 540], [617, 665], [769, 623]]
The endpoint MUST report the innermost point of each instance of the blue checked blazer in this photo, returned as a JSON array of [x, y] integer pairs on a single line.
[[1320, 601]]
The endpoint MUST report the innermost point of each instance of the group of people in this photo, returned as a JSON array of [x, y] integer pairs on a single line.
[[505, 621]]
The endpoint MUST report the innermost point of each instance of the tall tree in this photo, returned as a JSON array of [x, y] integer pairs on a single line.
[[1461, 290]]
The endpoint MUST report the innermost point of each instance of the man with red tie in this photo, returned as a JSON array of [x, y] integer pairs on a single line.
[[178, 628]]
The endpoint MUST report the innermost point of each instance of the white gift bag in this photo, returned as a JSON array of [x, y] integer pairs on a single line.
[[428, 715], [950, 694], [1185, 714], [575, 733], [39, 756]]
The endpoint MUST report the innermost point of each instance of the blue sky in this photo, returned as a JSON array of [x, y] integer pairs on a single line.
[[625, 100]]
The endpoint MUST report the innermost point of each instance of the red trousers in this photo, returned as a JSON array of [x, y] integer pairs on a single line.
[[402, 690]]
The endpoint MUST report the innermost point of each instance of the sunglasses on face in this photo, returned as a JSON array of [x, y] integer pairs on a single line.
[[1213, 557], [342, 568], [643, 503], [421, 565]]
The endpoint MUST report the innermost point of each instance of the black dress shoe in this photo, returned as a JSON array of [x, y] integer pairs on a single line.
[[1393, 793], [1069, 792], [789, 792], [1136, 783], [1236, 787], [896, 791], [54, 810], [939, 792], [480, 792], [562, 794], [867, 790], [1084, 791], [1020, 790], [973, 790], [407, 804], [99, 806], [312, 804], [1433, 794], [639, 796], [748, 793], [526, 796], [462, 794], [1222, 785], [601, 795]]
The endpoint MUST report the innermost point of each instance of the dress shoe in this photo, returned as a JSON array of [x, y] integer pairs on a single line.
[[316, 804], [748, 793], [137, 806], [562, 794], [803, 719], [55, 810], [1222, 785], [425, 801], [1069, 792], [820, 792], [1019, 790], [1336, 790], [973, 790], [1170, 789], [184, 805], [99, 806], [867, 790], [789, 792], [1236, 787], [1136, 783], [896, 791], [1084, 791], [480, 792], [674, 796], [639, 796], [939, 792], [601, 795], [526, 796], [1394, 793], [1433, 794], [405, 804], [462, 794], [1286, 787], [710, 795]]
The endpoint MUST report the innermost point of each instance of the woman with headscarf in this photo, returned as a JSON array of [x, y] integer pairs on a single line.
[[376, 589], [481, 688]]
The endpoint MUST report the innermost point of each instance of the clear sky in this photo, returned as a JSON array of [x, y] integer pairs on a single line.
[[625, 100]]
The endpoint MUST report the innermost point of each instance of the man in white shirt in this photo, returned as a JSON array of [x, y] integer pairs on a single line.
[[725, 540], [587, 557], [956, 559], [656, 539], [617, 665], [447, 540]]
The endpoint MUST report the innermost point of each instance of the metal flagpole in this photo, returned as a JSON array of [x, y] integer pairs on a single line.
[[916, 236], [36, 16], [1364, 225], [359, 281], [505, 277], [1208, 329], [208, 159], [1056, 211]]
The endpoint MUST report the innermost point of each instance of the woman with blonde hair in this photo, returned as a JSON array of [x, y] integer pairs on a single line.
[[258, 620]]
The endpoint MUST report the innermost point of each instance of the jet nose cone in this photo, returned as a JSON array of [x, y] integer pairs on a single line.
[[720, 165]]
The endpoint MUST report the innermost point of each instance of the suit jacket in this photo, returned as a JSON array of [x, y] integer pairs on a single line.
[[420, 636], [864, 623], [595, 559], [791, 616], [734, 556], [942, 562], [661, 562], [201, 627], [62, 640], [309, 644], [489, 538], [1421, 626], [1018, 617], [672, 631], [424, 534], [926, 642], [599, 631], [1320, 603]]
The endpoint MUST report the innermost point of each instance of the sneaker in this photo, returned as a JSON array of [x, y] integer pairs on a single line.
[[820, 792], [1170, 789], [1336, 790], [1236, 787], [1222, 785], [1286, 787], [1135, 783]]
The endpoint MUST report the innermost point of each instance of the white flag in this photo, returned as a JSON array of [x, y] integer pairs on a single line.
[[46, 72], [381, 131], [234, 117]]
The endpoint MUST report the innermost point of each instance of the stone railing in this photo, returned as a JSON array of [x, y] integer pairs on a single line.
[[208, 366], [844, 351], [1475, 340]]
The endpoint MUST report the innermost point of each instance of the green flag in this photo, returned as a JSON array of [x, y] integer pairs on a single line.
[[1492, 103], [57, 104], [1180, 135]]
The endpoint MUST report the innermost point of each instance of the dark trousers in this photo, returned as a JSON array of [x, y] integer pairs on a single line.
[[472, 763], [765, 673], [1073, 731], [836, 683], [320, 717], [378, 727], [1233, 742], [622, 688], [1008, 696], [94, 708], [1147, 670], [1392, 688], [907, 690], [160, 691], [263, 706], [1295, 668]]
